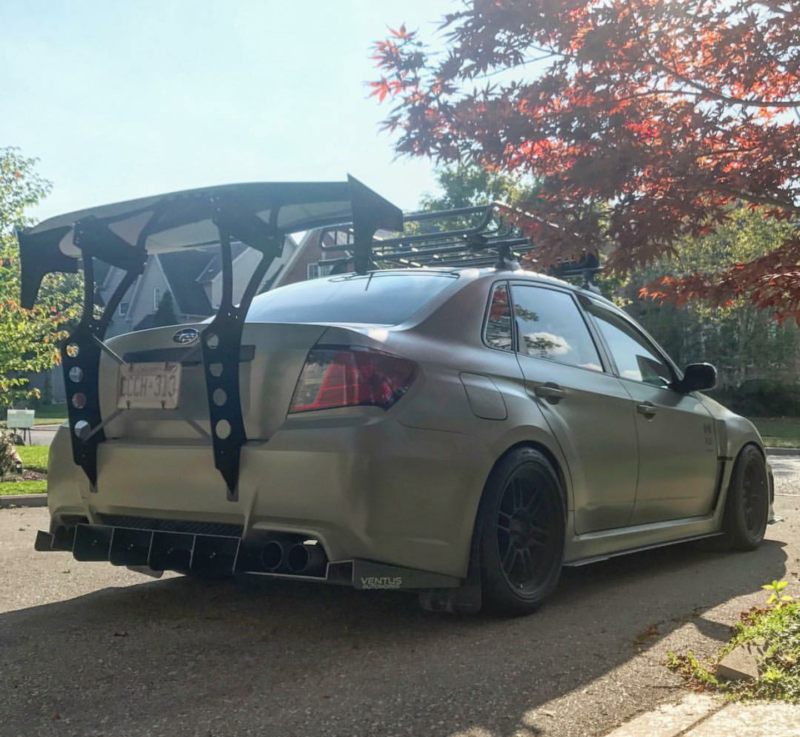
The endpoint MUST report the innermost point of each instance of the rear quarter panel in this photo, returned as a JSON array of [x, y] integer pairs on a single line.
[[445, 345]]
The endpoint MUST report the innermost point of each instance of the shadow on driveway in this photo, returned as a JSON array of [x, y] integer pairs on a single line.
[[186, 657]]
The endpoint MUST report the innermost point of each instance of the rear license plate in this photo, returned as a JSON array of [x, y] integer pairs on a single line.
[[149, 385]]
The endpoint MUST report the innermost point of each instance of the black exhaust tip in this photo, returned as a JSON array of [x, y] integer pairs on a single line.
[[272, 555], [306, 559]]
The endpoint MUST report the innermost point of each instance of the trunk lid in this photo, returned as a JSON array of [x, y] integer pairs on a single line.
[[272, 357]]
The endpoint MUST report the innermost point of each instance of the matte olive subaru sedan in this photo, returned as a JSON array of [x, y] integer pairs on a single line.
[[460, 433]]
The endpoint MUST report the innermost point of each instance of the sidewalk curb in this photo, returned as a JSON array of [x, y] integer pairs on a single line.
[[703, 715], [783, 451], [23, 500], [671, 720]]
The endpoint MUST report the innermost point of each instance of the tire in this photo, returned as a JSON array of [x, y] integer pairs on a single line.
[[747, 505], [522, 523]]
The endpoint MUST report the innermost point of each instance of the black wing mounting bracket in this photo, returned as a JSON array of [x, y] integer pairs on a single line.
[[222, 337], [371, 212], [81, 351]]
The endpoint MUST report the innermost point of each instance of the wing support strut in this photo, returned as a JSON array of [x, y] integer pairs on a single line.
[[81, 351], [222, 338]]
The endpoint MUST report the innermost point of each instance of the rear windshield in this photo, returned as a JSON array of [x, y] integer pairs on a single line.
[[375, 299]]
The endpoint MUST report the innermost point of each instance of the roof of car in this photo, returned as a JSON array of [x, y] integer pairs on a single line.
[[493, 273]]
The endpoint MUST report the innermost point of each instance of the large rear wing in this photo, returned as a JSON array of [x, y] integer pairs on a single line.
[[125, 234], [365, 229]]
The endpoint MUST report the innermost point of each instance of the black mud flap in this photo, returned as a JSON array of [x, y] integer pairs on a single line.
[[379, 576], [468, 599]]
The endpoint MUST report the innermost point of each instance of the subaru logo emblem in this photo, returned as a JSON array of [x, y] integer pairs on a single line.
[[186, 336]]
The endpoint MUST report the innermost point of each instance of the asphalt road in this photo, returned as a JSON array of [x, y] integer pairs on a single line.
[[88, 649]]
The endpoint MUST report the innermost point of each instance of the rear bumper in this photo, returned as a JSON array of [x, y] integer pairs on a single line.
[[366, 487], [220, 555]]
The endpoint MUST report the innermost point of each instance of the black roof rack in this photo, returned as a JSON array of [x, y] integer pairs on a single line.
[[490, 241]]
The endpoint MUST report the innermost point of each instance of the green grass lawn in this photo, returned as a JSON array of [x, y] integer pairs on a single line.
[[779, 432], [34, 457], [23, 487]]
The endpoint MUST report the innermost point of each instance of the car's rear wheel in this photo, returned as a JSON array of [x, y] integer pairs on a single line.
[[522, 526], [747, 504]]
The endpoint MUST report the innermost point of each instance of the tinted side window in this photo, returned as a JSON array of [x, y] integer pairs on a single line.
[[498, 321], [636, 359], [550, 325]]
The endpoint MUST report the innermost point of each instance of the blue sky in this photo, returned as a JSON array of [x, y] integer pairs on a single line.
[[127, 98]]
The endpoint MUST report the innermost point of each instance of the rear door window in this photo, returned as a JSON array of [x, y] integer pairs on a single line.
[[636, 358], [550, 325], [376, 299]]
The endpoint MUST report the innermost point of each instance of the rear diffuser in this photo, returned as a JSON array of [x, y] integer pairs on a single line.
[[220, 555]]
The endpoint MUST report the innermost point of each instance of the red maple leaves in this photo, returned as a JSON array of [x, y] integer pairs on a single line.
[[644, 120]]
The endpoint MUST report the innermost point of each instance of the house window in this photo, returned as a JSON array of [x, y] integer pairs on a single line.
[[318, 269], [123, 308], [156, 298]]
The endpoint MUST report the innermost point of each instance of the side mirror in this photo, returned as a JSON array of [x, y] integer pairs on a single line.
[[697, 377]]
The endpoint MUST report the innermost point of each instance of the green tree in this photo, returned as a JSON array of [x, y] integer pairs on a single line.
[[165, 314], [470, 185], [466, 185], [745, 343], [29, 339]]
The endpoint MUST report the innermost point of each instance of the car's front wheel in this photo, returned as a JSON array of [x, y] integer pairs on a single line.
[[522, 527], [747, 504]]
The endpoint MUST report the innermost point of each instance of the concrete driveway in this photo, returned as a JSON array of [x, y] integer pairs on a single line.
[[88, 649]]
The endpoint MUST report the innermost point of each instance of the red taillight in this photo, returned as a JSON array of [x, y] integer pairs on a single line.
[[347, 377]]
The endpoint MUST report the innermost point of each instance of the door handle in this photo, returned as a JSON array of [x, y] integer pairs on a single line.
[[648, 409], [550, 391]]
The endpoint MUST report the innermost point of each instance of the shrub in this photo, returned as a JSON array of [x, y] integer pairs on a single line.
[[10, 461]]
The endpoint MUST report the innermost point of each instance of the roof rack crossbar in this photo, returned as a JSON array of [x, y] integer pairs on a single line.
[[421, 216], [454, 247], [481, 227], [415, 217]]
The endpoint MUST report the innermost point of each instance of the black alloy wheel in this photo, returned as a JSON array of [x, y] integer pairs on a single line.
[[526, 531], [756, 497], [747, 505], [522, 527]]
